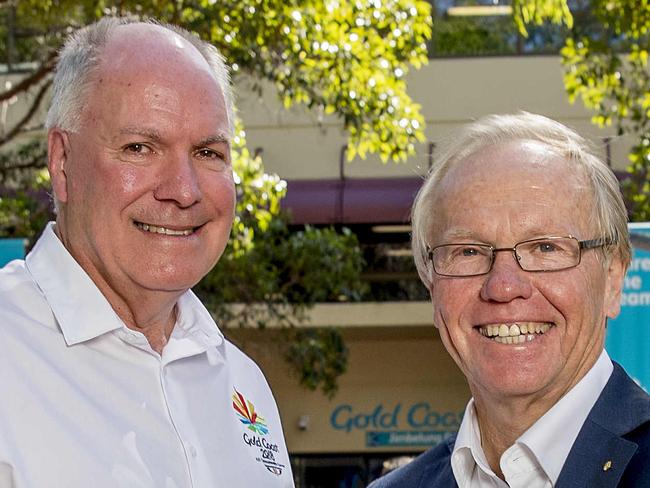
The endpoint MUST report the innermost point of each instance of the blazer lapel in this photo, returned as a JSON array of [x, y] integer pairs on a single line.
[[600, 454], [597, 459], [438, 473]]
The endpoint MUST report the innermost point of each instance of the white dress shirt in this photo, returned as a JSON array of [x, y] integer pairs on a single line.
[[537, 457], [85, 401]]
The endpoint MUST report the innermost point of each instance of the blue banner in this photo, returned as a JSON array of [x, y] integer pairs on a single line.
[[407, 438], [11, 249], [628, 336]]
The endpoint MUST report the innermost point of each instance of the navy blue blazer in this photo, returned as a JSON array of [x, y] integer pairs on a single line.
[[615, 435]]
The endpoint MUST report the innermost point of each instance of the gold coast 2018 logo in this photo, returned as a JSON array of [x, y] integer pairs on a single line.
[[255, 423]]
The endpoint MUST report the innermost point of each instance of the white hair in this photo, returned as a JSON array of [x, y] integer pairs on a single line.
[[80, 57], [610, 214]]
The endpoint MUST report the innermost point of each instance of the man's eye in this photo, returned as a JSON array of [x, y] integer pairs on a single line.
[[212, 159], [136, 148], [546, 247], [470, 252], [209, 154]]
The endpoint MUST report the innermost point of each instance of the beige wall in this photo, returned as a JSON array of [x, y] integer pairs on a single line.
[[451, 93], [298, 145], [393, 371]]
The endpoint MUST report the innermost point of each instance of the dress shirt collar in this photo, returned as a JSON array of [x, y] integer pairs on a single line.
[[468, 454], [83, 313], [552, 436], [549, 439]]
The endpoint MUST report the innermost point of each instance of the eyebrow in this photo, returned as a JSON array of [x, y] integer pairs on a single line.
[[534, 232], [154, 135], [459, 234], [216, 139]]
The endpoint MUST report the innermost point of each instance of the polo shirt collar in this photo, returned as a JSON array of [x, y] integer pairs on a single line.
[[84, 313], [195, 332], [80, 309]]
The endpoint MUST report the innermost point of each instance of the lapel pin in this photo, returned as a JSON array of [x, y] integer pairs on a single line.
[[607, 466]]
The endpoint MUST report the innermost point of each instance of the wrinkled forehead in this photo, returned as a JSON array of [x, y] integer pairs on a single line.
[[520, 180]]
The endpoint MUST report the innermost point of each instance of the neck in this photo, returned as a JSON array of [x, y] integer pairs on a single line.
[[151, 312], [501, 424], [153, 318], [503, 419]]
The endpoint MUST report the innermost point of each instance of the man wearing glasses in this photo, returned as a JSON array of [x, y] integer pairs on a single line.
[[520, 235]]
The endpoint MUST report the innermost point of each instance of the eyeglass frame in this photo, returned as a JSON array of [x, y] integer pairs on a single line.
[[586, 244]]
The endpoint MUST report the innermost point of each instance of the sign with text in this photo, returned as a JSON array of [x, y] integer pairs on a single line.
[[416, 424], [406, 438], [628, 336]]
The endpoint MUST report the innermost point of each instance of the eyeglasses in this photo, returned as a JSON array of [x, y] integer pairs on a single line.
[[543, 254]]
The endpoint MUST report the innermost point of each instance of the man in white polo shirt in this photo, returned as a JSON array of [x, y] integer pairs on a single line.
[[520, 235], [112, 373]]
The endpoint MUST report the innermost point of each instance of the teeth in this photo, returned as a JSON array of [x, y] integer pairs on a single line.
[[514, 333], [163, 230]]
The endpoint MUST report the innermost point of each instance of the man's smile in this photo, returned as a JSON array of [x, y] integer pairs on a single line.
[[515, 333], [156, 229]]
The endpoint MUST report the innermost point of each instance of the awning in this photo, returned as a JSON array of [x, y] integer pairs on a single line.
[[351, 200]]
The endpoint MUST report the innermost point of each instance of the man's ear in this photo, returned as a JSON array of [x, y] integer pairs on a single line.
[[58, 152], [614, 285], [430, 289]]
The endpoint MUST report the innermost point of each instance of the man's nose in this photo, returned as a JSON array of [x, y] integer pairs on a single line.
[[506, 280], [179, 182]]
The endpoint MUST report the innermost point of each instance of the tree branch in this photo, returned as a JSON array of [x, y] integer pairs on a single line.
[[33, 79], [9, 168], [32, 110]]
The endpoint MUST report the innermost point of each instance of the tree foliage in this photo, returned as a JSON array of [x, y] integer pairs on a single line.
[[610, 75], [607, 69], [537, 12], [24, 205], [337, 57], [273, 275]]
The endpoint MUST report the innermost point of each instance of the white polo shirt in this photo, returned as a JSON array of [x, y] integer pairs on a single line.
[[85, 401]]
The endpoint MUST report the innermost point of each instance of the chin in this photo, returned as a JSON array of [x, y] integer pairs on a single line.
[[178, 280], [510, 383]]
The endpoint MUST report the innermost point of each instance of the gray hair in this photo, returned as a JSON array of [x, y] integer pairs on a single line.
[[610, 214], [80, 57]]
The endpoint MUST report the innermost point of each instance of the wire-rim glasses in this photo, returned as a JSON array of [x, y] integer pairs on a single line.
[[550, 253]]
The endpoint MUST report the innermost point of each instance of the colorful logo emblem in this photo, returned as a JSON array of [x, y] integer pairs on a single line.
[[247, 415]]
